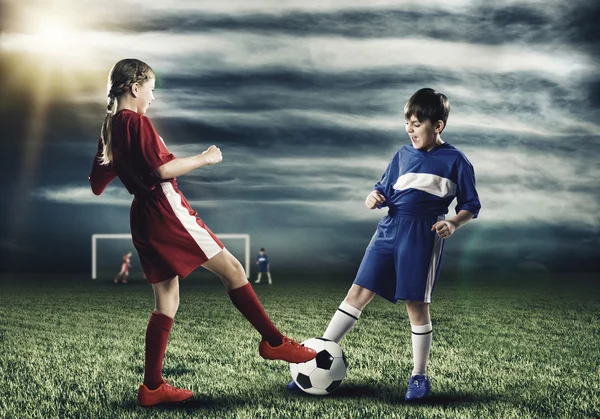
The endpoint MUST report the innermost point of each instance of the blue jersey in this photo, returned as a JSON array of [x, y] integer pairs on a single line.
[[263, 262], [425, 183]]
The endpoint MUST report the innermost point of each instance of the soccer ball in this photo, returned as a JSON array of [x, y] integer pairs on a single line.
[[323, 374]]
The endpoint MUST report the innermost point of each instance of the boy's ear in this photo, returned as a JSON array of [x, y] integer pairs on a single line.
[[439, 126]]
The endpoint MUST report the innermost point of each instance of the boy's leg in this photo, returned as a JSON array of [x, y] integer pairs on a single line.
[[420, 321], [418, 383], [348, 312], [269, 276], [258, 279]]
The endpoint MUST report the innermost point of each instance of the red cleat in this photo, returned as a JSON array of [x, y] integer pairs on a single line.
[[289, 351], [166, 393]]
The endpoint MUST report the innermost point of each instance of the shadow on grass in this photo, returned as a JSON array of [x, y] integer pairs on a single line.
[[176, 371], [392, 395], [197, 402]]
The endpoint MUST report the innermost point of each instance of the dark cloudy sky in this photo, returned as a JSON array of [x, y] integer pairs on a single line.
[[305, 100]]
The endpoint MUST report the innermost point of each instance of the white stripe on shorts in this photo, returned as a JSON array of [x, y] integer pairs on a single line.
[[436, 253], [200, 235]]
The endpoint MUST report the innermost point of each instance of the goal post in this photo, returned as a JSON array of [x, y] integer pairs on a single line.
[[96, 237]]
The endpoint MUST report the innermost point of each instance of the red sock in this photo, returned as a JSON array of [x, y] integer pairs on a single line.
[[157, 335], [245, 300]]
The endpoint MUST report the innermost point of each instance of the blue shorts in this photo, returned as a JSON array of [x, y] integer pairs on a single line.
[[403, 260]]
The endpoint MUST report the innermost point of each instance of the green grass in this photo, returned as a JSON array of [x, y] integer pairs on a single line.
[[507, 348]]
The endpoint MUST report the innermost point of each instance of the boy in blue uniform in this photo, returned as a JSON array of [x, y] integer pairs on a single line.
[[402, 261], [262, 260]]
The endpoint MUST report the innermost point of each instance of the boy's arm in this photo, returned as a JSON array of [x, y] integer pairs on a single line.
[[467, 197], [101, 175], [178, 167], [462, 218], [381, 190], [446, 228]]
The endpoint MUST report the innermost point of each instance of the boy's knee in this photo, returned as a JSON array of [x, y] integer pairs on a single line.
[[358, 297]]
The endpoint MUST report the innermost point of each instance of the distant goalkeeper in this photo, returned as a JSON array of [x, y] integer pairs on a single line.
[[124, 273], [262, 260]]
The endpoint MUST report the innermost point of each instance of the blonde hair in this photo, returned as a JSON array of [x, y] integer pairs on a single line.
[[122, 76]]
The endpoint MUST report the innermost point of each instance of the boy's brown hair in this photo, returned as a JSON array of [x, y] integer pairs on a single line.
[[428, 104]]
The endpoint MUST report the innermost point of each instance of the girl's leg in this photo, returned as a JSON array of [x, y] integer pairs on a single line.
[[420, 321], [348, 312], [232, 274], [116, 280], [166, 303], [155, 390]]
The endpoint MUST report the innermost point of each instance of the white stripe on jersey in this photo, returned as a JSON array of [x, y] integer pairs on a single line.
[[433, 184], [200, 235], [436, 253]]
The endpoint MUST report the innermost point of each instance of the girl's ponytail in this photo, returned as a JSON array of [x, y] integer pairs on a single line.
[[106, 128]]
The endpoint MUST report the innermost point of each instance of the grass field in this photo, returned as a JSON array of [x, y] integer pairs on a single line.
[[515, 347]]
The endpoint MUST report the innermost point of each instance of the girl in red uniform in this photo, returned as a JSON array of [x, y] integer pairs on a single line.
[[170, 238], [124, 272]]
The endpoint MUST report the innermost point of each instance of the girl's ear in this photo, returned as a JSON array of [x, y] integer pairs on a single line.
[[134, 89]]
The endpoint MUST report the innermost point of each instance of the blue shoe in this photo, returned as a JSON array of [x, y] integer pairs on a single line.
[[292, 386], [418, 387]]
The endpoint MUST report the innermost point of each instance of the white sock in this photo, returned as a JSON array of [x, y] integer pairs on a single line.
[[421, 342], [269, 276], [342, 321]]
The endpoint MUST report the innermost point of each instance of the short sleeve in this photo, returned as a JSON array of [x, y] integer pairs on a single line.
[[384, 186], [152, 147], [466, 194]]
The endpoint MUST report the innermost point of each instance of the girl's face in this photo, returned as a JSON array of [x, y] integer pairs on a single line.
[[422, 134], [143, 92]]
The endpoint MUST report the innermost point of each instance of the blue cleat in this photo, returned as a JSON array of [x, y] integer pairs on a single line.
[[292, 386], [418, 387]]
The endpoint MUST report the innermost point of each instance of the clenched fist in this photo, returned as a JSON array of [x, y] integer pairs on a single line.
[[444, 228], [213, 155], [375, 198]]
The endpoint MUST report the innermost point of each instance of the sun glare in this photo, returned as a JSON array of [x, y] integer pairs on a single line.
[[53, 36]]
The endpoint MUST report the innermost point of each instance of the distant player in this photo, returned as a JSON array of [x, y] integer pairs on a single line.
[[262, 260], [124, 273], [170, 238], [402, 262]]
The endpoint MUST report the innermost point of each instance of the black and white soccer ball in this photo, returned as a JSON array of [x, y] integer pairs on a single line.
[[323, 374]]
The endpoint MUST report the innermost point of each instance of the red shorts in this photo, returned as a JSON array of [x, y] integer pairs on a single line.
[[168, 234]]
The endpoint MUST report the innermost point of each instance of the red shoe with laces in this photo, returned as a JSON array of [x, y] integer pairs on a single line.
[[166, 393], [289, 351]]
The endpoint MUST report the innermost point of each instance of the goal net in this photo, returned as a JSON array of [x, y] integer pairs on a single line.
[[116, 245]]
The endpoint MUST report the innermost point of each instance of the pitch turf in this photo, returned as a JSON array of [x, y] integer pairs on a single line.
[[503, 347]]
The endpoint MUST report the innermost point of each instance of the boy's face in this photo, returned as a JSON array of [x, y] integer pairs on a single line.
[[422, 134], [144, 94]]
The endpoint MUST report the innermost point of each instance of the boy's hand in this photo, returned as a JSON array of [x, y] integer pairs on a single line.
[[444, 228], [375, 198], [213, 155]]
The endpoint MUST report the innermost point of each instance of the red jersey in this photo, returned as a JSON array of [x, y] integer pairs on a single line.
[[137, 150], [168, 234]]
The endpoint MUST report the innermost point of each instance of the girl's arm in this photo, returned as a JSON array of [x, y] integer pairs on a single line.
[[101, 175], [178, 167]]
